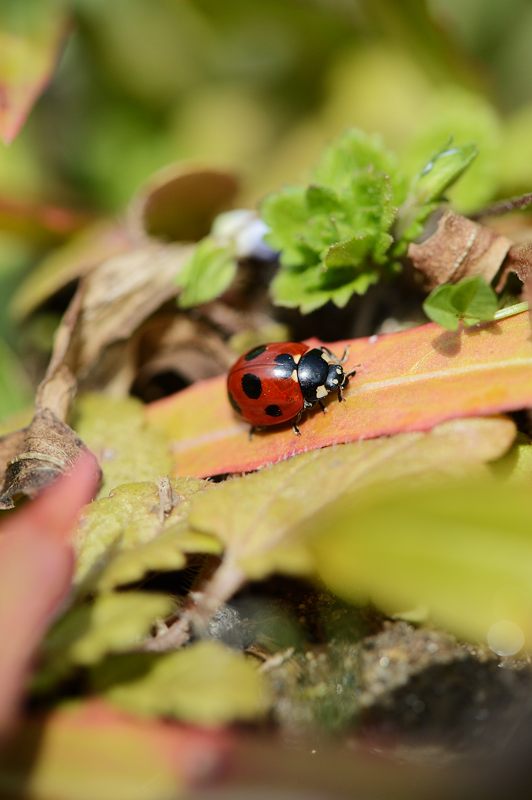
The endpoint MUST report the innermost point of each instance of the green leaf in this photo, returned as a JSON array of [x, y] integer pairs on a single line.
[[353, 152], [209, 271], [453, 113], [471, 300], [286, 213], [340, 222], [428, 187], [206, 684], [115, 429], [256, 516], [313, 288], [442, 171], [350, 252], [122, 537], [474, 299], [439, 307], [461, 549], [113, 623]]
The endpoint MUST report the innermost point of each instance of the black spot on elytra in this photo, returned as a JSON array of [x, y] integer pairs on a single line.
[[234, 404], [273, 410], [255, 352], [251, 386]]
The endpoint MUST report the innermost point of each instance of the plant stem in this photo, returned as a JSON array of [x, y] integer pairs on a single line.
[[510, 311]]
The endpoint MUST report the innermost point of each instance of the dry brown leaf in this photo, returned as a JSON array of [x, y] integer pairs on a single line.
[[459, 248], [519, 262], [109, 305], [45, 450], [94, 344]]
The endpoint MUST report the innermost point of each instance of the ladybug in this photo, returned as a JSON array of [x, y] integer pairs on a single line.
[[275, 383]]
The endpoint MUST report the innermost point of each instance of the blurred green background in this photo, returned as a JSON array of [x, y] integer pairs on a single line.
[[259, 87]]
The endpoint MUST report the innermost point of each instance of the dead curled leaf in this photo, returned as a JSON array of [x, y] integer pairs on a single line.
[[112, 302], [45, 450], [458, 248], [179, 203], [109, 305], [255, 516], [518, 262]]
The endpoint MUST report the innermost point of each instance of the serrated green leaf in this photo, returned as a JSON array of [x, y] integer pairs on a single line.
[[165, 553], [313, 288], [352, 152], [350, 252], [321, 199], [113, 623], [341, 221], [206, 684], [256, 516], [471, 300], [115, 429], [461, 549], [286, 214], [209, 271], [122, 537]]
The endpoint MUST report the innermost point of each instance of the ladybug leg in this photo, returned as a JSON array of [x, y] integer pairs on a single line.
[[322, 406], [251, 431], [341, 387], [295, 424]]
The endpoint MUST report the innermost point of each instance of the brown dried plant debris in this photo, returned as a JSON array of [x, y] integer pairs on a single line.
[[458, 248], [111, 302], [44, 450]]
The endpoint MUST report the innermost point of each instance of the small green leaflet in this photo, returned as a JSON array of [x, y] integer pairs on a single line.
[[427, 190], [207, 274], [469, 301]]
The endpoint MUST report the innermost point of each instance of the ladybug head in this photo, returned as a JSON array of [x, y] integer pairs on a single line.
[[336, 378]]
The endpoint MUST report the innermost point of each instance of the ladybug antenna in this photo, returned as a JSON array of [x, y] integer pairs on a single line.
[[352, 372]]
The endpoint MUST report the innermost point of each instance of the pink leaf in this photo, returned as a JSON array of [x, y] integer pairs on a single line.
[[36, 564], [408, 381]]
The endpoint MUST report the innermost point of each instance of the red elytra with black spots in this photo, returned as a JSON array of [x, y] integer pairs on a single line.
[[274, 383]]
